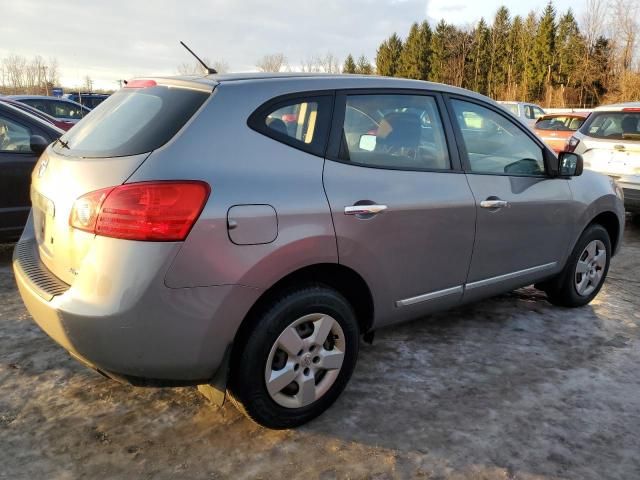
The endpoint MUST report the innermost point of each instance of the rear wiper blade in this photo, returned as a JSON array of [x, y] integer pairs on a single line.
[[63, 143]]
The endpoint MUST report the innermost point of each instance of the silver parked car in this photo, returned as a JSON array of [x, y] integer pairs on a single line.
[[609, 141], [528, 113], [242, 231]]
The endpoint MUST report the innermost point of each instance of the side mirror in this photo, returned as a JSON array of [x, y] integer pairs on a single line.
[[38, 144], [367, 142], [570, 164]]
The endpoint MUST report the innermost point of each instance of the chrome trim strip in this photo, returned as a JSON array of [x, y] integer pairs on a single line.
[[508, 276], [429, 296]]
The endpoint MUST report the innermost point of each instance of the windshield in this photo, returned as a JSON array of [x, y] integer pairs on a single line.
[[132, 121], [564, 123], [613, 126]]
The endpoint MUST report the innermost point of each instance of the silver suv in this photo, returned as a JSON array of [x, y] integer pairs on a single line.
[[241, 232], [609, 141]]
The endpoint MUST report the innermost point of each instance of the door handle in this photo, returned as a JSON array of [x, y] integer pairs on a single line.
[[494, 203], [364, 209]]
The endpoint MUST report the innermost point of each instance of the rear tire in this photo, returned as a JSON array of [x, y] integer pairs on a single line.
[[585, 271], [296, 358]]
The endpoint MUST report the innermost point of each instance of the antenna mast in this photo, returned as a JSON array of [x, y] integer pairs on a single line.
[[210, 70]]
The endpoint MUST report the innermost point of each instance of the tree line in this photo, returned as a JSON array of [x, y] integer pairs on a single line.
[[547, 58]]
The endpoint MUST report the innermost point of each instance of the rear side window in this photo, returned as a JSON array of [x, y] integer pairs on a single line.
[[613, 125], [513, 108], [301, 122], [132, 121]]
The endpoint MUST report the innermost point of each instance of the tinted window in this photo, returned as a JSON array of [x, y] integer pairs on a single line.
[[132, 121], [14, 137], [300, 122], [560, 123], [613, 125], [494, 144], [39, 104], [394, 131]]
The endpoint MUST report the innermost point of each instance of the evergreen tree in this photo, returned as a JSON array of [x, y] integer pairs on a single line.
[[541, 63], [416, 53], [479, 58], [349, 65], [570, 47], [515, 64], [388, 56], [440, 52], [498, 62], [363, 67], [526, 41]]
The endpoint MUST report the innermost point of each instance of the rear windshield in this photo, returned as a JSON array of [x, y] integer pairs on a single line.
[[562, 123], [132, 121], [613, 125]]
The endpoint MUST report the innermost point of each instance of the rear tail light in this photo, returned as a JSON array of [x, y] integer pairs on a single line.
[[151, 211], [572, 144]]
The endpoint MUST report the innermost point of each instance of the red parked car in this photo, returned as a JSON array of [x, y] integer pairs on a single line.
[[555, 129]]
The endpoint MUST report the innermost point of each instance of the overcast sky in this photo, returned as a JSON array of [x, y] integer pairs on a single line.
[[120, 39]]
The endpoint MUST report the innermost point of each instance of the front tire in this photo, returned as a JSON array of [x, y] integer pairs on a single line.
[[296, 359], [585, 272]]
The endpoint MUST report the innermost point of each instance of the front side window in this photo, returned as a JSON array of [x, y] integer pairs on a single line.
[[614, 126], [14, 138], [394, 131], [495, 144], [66, 110]]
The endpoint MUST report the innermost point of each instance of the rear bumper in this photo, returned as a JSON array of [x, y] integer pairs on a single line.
[[150, 335], [631, 195]]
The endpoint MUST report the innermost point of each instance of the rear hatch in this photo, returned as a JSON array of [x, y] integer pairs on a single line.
[[103, 150], [612, 142]]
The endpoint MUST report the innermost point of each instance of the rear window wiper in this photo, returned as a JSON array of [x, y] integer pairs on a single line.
[[63, 143]]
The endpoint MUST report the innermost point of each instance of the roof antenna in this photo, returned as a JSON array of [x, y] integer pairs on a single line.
[[208, 69]]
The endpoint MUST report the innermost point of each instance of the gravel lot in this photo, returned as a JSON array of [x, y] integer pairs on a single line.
[[509, 388]]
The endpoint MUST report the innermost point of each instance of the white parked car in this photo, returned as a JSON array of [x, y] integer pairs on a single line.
[[609, 142], [528, 113]]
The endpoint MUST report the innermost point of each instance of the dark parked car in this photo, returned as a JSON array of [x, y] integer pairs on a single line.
[[22, 138], [60, 108], [63, 124]]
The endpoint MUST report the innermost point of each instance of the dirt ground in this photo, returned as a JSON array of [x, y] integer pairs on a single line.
[[509, 388]]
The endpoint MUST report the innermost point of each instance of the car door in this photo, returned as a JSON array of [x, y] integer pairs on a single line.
[[402, 209], [16, 163], [523, 215]]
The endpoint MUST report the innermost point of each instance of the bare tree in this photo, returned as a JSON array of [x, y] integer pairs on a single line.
[[275, 62], [20, 75], [624, 31], [329, 63], [196, 68]]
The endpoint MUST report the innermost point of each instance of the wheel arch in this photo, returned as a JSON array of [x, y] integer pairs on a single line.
[[609, 220], [345, 280]]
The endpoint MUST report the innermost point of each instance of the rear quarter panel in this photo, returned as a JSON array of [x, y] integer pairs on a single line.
[[244, 167]]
